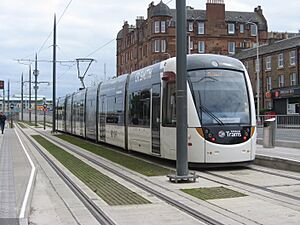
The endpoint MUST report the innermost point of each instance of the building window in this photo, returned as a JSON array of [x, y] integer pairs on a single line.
[[293, 79], [231, 28], [163, 26], [231, 47], [280, 60], [156, 45], [268, 63], [201, 46], [156, 27], [191, 26], [191, 45], [163, 46], [281, 81], [200, 27], [242, 28], [253, 30], [292, 58], [269, 83]]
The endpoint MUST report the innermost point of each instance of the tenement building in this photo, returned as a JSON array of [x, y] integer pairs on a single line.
[[213, 30], [279, 74]]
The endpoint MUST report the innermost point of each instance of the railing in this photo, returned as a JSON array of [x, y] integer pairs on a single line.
[[282, 121], [287, 127]]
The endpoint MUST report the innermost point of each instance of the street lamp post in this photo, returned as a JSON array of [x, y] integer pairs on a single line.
[[11, 115], [257, 70], [35, 73]]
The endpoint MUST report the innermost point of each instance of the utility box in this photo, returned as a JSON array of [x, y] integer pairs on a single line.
[[269, 133]]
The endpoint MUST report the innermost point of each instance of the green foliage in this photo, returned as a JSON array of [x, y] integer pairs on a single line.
[[138, 165], [213, 193], [108, 189]]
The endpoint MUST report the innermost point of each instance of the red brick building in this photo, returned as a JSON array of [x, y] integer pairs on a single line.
[[279, 74], [213, 30]]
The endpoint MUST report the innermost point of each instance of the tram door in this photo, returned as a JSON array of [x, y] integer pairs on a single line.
[[155, 128], [102, 111]]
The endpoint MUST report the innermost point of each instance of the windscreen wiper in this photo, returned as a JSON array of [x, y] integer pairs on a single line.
[[204, 109]]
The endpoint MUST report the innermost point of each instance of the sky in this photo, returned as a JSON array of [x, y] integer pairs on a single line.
[[88, 28]]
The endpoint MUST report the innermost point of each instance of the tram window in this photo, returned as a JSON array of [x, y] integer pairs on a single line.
[[139, 108], [169, 105]]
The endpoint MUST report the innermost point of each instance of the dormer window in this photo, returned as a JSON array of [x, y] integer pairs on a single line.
[[201, 28], [191, 26], [231, 28], [253, 30], [242, 28]]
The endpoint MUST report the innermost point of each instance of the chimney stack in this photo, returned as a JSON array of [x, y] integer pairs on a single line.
[[215, 10]]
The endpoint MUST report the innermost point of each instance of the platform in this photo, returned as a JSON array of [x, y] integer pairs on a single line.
[[15, 173], [278, 157]]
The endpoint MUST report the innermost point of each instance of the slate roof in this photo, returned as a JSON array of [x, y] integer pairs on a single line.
[[269, 48], [160, 9], [230, 16]]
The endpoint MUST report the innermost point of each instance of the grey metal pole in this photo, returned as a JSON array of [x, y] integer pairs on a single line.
[[22, 100], [8, 108], [181, 96], [257, 72], [54, 78], [4, 99], [29, 109], [35, 73]]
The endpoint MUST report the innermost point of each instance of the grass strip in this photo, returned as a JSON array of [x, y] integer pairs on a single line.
[[129, 162], [108, 189], [213, 193], [22, 125], [30, 124]]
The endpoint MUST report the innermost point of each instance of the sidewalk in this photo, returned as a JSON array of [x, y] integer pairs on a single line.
[[278, 157], [15, 171]]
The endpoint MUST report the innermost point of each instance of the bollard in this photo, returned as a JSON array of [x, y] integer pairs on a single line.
[[269, 133]]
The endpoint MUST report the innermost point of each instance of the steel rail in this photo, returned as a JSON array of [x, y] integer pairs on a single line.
[[99, 215], [190, 211]]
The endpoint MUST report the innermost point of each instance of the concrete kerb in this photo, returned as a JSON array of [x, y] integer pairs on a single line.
[[281, 143], [277, 163]]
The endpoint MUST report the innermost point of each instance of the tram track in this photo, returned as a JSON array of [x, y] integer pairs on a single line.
[[273, 173], [182, 207], [99, 215], [221, 179], [287, 197]]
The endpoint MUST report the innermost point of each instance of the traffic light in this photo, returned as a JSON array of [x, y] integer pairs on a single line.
[[1, 84]]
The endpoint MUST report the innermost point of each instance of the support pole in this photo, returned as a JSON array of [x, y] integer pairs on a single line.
[[29, 107], [22, 100], [3, 100], [35, 73], [182, 171], [54, 78], [8, 105]]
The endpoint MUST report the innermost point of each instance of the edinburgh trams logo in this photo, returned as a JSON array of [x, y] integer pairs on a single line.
[[221, 134]]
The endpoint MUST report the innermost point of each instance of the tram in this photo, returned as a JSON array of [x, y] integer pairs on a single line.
[[137, 111]]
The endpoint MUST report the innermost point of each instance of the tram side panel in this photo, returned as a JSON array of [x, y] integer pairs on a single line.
[[111, 113], [141, 136], [60, 119], [68, 119], [91, 112], [78, 113]]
